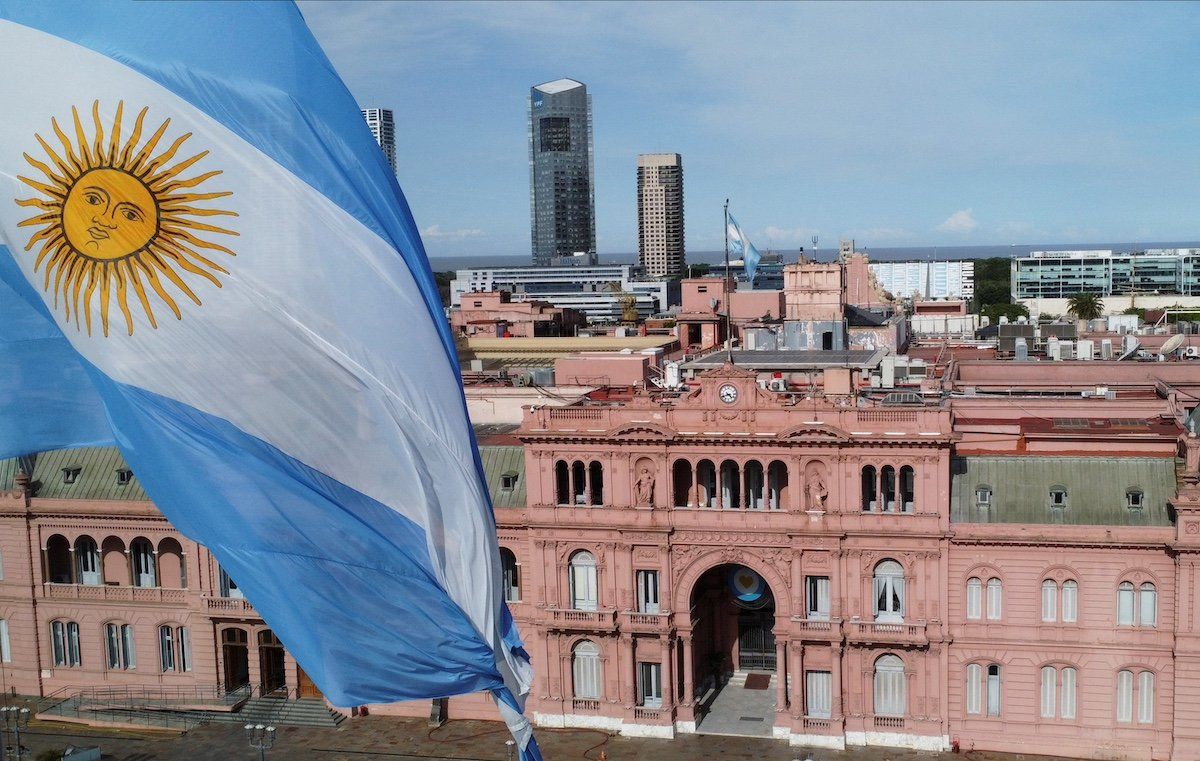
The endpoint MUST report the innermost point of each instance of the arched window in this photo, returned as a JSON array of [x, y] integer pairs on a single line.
[[993, 690], [908, 489], [1069, 676], [754, 485], [706, 481], [87, 561], [974, 689], [119, 646], [777, 484], [868, 488], [887, 478], [585, 671], [64, 638], [1049, 685], [1070, 601], [995, 598], [983, 689], [166, 648], [974, 599], [511, 573], [58, 560], [582, 572], [1049, 601], [1124, 696], [579, 485], [183, 644], [144, 571], [1147, 605], [562, 483], [596, 480], [681, 484], [1144, 699], [171, 569], [889, 592], [731, 487], [1125, 606], [890, 698]]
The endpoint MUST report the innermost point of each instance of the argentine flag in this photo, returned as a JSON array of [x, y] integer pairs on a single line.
[[740, 245], [209, 244]]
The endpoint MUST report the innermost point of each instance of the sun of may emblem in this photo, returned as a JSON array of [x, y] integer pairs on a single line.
[[118, 220]]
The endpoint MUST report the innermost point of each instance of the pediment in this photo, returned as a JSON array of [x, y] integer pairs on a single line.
[[729, 370], [814, 432], [641, 430]]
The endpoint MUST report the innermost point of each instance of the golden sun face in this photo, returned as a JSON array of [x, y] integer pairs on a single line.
[[118, 221]]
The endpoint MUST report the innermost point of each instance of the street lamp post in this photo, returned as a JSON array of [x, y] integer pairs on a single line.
[[261, 738], [14, 720]]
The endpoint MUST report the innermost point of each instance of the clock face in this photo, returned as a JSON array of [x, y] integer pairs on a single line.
[[728, 394]]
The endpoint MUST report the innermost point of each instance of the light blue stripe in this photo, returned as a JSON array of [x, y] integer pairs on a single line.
[[256, 69]]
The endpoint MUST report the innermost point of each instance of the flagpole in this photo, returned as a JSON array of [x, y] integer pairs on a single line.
[[728, 296]]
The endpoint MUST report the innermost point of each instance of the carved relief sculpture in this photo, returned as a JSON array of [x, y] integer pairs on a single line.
[[644, 491], [815, 490]]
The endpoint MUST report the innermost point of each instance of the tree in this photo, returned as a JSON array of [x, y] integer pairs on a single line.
[[1012, 311], [1085, 306]]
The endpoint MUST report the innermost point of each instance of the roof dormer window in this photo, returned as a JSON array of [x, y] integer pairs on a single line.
[[124, 476], [70, 475], [1135, 499]]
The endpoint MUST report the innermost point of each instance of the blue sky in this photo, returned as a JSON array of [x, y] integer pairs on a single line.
[[895, 124]]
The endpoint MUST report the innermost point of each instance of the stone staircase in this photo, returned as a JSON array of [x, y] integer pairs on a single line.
[[276, 712]]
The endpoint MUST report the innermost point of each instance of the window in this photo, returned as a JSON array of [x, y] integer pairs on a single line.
[[229, 587], [1049, 682], [1068, 692], [817, 588], [124, 476], [647, 591], [818, 694], [1125, 604], [511, 574], [1147, 605], [995, 596], [888, 476], [1125, 696], [585, 670], [1070, 601], [5, 645], [582, 574], [562, 483], [70, 475], [974, 689], [1146, 697], [868, 488], [974, 599], [166, 648], [908, 488], [1049, 601], [650, 685], [889, 686], [596, 482], [64, 636], [508, 481], [144, 571], [888, 600], [1058, 497], [184, 642], [118, 641], [1134, 499], [983, 496], [87, 561], [993, 690]]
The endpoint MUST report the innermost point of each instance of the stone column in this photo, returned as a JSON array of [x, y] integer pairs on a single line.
[[835, 708], [668, 674], [129, 564], [74, 563], [689, 683], [796, 669], [627, 669], [157, 569], [781, 673]]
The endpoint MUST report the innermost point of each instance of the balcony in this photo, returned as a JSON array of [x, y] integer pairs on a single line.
[[226, 606], [582, 620], [112, 593], [899, 633], [644, 622], [824, 630]]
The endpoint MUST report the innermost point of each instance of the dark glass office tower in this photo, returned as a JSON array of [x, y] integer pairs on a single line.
[[561, 199]]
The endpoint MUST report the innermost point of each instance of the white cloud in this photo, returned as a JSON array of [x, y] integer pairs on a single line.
[[435, 232], [773, 235], [960, 222]]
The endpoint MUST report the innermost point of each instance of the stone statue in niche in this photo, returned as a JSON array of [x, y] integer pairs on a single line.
[[644, 490], [815, 489]]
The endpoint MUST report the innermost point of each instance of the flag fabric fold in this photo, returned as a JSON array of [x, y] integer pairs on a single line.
[[739, 244], [203, 229]]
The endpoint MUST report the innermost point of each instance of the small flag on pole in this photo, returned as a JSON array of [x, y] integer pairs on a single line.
[[212, 248]]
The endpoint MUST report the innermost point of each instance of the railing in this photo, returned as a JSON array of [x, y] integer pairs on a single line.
[[114, 593], [177, 707], [575, 413], [821, 627], [887, 416], [583, 705], [888, 631], [645, 621], [889, 722], [647, 714], [228, 605], [586, 618], [818, 725]]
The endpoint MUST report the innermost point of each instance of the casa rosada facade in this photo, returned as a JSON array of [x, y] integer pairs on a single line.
[[1011, 572]]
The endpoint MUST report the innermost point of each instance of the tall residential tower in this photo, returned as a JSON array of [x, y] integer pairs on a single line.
[[384, 130], [660, 214], [561, 176]]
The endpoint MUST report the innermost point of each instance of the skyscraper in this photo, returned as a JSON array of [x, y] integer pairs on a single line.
[[384, 130], [660, 214], [561, 198]]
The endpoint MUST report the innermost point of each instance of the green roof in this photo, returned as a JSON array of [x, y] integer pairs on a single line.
[[1096, 487], [98, 467]]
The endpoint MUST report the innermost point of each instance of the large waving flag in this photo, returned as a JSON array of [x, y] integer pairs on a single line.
[[740, 244], [190, 197]]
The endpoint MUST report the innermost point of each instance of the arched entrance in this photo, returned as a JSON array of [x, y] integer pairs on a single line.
[[271, 663], [235, 653], [733, 650]]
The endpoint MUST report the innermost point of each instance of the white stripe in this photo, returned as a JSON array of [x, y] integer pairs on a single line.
[[295, 348]]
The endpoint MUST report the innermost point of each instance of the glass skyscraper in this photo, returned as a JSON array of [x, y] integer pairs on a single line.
[[1062, 274], [561, 175]]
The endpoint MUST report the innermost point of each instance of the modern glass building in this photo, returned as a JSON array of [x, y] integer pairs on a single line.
[[384, 129], [561, 175], [1062, 274]]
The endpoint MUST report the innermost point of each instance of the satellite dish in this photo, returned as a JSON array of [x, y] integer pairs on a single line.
[[1131, 347], [1173, 343]]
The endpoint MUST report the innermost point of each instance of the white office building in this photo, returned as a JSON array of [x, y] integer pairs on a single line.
[[384, 129], [597, 291], [926, 280]]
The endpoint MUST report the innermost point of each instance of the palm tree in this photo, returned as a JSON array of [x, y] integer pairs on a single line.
[[1085, 306]]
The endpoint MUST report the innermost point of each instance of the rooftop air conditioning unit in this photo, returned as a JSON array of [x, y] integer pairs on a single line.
[[1192, 351], [778, 384]]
